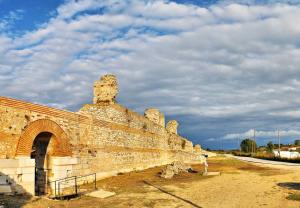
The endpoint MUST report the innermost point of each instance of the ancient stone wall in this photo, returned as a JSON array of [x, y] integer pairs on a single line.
[[172, 126], [155, 116], [103, 138]]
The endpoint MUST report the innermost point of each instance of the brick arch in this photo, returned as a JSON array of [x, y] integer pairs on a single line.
[[61, 145]]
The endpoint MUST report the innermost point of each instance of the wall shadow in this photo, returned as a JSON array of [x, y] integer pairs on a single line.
[[290, 185], [13, 200], [169, 193]]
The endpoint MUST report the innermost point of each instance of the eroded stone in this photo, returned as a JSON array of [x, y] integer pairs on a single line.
[[172, 126], [155, 116], [106, 89]]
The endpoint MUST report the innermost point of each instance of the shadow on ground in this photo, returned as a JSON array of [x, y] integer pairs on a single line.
[[290, 185], [175, 196], [13, 201]]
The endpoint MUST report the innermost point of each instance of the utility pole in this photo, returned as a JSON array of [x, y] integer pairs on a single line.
[[254, 140], [240, 139], [278, 137], [222, 144]]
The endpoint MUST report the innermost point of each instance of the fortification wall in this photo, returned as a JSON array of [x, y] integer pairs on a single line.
[[103, 138]]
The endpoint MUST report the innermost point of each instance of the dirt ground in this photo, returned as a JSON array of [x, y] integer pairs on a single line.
[[239, 185]]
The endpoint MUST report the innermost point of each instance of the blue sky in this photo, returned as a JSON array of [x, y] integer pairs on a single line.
[[31, 13], [221, 68]]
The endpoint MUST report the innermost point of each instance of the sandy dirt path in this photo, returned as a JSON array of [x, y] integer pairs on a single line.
[[239, 190], [241, 185]]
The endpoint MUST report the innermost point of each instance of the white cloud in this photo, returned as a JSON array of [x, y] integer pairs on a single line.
[[262, 134], [9, 19], [237, 65]]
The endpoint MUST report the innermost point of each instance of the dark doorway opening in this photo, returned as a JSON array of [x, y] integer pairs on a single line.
[[42, 169]]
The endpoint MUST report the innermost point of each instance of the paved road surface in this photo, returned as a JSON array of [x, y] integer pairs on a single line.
[[269, 163]]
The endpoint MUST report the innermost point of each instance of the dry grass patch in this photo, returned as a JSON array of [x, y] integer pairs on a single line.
[[233, 166], [294, 196], [133, 189]]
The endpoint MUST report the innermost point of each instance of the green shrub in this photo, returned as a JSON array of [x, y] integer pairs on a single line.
[[248, 145]]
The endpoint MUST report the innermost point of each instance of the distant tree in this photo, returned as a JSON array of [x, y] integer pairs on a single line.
[[270, 146], [297, 142], [248, 145]]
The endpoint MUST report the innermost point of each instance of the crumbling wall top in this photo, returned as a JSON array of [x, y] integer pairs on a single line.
[[197, 148], [155, 116], [172, 126], [106, 89]]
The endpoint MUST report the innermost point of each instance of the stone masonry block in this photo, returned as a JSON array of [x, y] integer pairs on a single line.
[[9, 171], [3, 180], [5, 189], [27, 178], [26, 162], [9, 163], [25, 170], [62, 161]]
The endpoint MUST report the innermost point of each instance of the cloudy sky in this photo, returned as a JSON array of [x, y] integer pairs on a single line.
[[221, 68]]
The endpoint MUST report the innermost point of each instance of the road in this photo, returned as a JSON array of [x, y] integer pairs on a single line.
[[269, 163]]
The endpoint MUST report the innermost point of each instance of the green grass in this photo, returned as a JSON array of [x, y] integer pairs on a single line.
[[294, 196]]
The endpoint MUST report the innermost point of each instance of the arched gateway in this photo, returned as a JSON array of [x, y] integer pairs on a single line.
[[61, 146], [40, 140], [102, 138]]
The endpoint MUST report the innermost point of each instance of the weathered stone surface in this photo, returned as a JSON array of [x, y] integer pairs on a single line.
[[172, 126], [213, 173], [5, 189], [155, 116], [197, 148], [168, 172], [187, 145], [3, 180], [103, 138], [181, 167], [106, 89], [175, 168], [102, 194]]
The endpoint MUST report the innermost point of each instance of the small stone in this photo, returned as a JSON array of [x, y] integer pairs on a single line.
[[101, 194], [168, 172], [175, 168]]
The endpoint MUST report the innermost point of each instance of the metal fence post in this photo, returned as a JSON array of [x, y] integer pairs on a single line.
[[75, 185], [54, 189], [58, 189], [95, 181]]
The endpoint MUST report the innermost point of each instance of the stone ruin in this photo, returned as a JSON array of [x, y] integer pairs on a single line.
[[40, 144], [106, 89], [174, 169], [197, 148], [172, 126], [155, 116]]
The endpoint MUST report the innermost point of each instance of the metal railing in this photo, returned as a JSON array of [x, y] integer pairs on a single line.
[[73, 185]]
